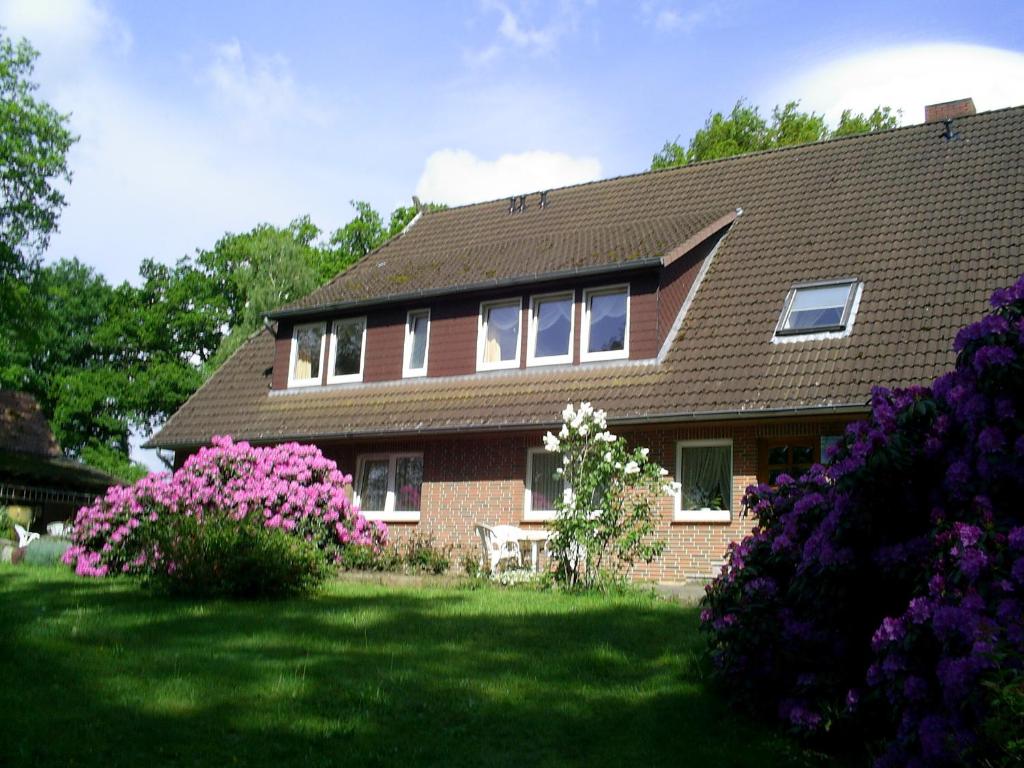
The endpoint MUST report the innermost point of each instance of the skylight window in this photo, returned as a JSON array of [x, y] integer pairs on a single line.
[[817, 308]]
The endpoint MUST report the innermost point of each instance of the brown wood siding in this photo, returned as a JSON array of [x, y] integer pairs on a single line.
[[385, 345], [676, 281], [643, 318], [452, 345], [282, 353]]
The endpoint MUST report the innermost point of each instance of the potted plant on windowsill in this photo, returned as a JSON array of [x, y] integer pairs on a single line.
[[704, 500]]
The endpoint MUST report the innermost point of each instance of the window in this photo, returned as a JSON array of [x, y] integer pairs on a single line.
[[389, 486], [792, 456], [817, 307], [498, 337], [827, 444], [551, 325], [704, 472], [307, 352], [543, 486], [417, 332], [605, 324], [348, 341]]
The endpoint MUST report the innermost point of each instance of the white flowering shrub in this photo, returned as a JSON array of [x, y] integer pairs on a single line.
[[606, 518]]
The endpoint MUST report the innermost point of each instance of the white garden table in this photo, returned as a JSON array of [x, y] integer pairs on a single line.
[[534, 537]]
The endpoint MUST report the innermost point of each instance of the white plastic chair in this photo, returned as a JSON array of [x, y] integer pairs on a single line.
[[24, 537], [62, 530], [499, 543]]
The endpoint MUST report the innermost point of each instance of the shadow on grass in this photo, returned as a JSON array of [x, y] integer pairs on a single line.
[[363, 675]]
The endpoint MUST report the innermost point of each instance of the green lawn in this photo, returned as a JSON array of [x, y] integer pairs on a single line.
[[102, 673]]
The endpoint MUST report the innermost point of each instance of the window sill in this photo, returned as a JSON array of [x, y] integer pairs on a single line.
[[296, 383], [703, 516], [539, 517], [593, 357], [391, 517]]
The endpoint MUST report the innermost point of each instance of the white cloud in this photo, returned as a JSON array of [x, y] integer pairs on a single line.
[[908, 77], [262, 86], [666, 17], [457, 177], [517, 34], [64, 28]]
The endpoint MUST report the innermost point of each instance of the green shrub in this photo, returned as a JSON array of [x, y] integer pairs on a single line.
[[6, 526], [418, 555], [1002, 729], [471, 564], [46, 550], [218, 556], [356, 557], [422, 555]]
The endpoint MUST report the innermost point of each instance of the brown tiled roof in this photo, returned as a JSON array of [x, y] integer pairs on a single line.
[[23, 426], [929, 226], [483, 244]]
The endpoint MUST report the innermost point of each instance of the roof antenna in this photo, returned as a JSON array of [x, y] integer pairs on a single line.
[[949, 134]]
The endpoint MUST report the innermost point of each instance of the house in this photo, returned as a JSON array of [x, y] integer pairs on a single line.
[[731, 315], [38, 484]]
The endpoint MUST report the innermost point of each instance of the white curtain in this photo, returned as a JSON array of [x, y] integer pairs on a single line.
[[551, 312], [607, 305], [502, 326], [706, 477]]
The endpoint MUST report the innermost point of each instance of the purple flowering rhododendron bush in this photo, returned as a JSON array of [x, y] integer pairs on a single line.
[[291, 488], [879, 599]]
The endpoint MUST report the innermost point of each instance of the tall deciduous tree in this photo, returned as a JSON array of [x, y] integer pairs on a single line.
[[34, 142], [745, 130]]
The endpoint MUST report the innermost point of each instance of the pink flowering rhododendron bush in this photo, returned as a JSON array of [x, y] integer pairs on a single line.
[[290, 489], [879, 599]]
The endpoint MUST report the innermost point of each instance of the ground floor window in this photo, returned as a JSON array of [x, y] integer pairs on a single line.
[[792, 456], [704, 476], [543, 486], [389, 486]]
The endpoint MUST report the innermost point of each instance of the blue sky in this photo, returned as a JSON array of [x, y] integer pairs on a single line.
[[197, 117]]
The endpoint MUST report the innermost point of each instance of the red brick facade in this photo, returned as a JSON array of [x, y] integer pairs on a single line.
[[481, 479]]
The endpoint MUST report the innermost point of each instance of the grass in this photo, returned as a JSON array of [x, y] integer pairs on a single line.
[[103, 673]]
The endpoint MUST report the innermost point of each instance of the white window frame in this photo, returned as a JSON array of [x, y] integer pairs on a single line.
[[702, 515], [530, 514], [407, 372], [531, 343], [617, 354], [388, 514], [843, 329], [348, 377], [314, 382], [481, 335]]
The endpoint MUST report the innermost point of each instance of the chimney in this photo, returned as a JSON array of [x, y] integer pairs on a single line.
[[949, 110]]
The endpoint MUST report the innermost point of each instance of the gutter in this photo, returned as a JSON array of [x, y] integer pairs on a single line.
[[604, 269], [674, 417]]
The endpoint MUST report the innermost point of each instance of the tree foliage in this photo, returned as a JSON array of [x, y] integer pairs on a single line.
[[34, 142], [745, 130]]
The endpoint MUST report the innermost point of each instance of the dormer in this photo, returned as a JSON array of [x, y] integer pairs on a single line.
[[622, 309]]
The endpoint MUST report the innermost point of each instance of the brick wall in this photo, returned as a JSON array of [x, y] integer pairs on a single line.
[[473, 479]]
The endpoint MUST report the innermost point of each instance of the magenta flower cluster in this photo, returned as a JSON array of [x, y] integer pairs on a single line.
[[880, 595], [290, 487]]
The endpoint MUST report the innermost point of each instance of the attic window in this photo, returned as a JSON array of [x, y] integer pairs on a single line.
[[498, 335], [821, 307], [307, 353]]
